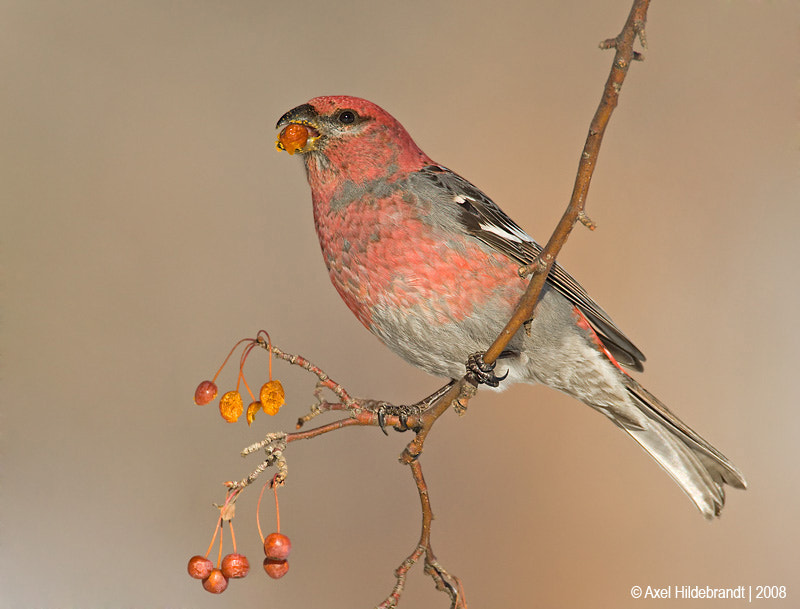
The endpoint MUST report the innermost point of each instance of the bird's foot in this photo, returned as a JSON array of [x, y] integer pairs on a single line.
[[483, 373], [402, 412]]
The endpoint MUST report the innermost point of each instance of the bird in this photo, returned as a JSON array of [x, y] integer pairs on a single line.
[[429, 264]]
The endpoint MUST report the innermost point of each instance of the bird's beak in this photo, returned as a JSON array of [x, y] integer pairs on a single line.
[[300, 130]]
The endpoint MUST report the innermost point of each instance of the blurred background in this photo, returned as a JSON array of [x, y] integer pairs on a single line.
[[148, 223]]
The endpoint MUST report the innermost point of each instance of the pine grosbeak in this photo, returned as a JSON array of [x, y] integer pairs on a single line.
[[428, 263]]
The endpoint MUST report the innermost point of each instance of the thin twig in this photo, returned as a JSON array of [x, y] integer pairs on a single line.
[[443, 580], [299, 360], [623, 44]]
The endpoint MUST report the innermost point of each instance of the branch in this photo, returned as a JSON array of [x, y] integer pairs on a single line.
[[443, 580], [299, 360], [634, 27]]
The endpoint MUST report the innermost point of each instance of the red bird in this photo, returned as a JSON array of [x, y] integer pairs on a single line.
[[428, 263]]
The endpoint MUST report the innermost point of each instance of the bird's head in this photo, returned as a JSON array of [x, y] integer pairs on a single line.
[[341, 133]]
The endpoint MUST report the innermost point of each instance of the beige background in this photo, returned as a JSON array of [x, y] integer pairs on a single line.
[[148, 223]]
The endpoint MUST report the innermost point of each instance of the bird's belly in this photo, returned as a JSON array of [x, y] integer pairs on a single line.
[[433, 304]]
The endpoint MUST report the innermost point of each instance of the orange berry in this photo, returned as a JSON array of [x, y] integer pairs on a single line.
[[235, 566], [277, 546], [272, 397], [231, 406], [216, 582], [276, 568], [293, 138], [199, 567], [252, 409], [205, 392]]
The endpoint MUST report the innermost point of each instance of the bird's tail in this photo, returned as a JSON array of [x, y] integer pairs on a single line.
[[698, 468]]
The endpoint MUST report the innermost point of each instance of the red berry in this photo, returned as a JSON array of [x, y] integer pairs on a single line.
[[205, 392], [216, 582], [277, 546], [199, 567], [235, 566], [276, 568]]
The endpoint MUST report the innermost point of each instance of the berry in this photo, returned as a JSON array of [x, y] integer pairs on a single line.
[[216, 582], [277, 546], [272, 397], [293, 138], [200, 567], [252, 409], [235, 566], [205, 392], [231, 406], [276, 568]]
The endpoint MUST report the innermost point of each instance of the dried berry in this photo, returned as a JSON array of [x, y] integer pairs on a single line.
[[205, 392], [276, 568], [277, 546], [231, 406], [272, 397], [293, 138], [216, 582], [252, 409], [200, 567], [235, 566]]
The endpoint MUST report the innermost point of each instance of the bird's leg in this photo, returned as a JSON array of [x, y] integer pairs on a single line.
[[481, 372]]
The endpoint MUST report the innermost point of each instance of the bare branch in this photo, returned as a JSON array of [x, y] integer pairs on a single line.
[[623, 44], [299, 360]]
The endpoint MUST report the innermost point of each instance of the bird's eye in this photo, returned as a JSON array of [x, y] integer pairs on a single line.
[[347, 116]]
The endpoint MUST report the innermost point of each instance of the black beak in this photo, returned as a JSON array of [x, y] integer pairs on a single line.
[[304, 114]]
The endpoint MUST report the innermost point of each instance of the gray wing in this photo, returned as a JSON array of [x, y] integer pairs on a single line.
[[480, 217]]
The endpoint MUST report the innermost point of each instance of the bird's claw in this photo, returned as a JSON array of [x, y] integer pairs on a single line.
[[482, 372], [401, 412], [403, 425], [381, 414]]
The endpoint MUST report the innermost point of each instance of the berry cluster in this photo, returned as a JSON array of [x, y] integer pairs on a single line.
[[215, 580], [231, 405], [276, 549], [235, 566], [276, 545], [232, 566]]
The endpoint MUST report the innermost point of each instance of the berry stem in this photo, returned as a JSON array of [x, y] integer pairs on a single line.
[[250, 391], [233, 536], [216, 529], [242, 360], [269, 347], [219, 554], [277, 507], [258, 511], [214, 380]]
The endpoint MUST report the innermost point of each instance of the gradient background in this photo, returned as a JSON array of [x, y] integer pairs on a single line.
[[148, 223]]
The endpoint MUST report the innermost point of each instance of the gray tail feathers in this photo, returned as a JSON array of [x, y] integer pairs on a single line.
[[698, 468]]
